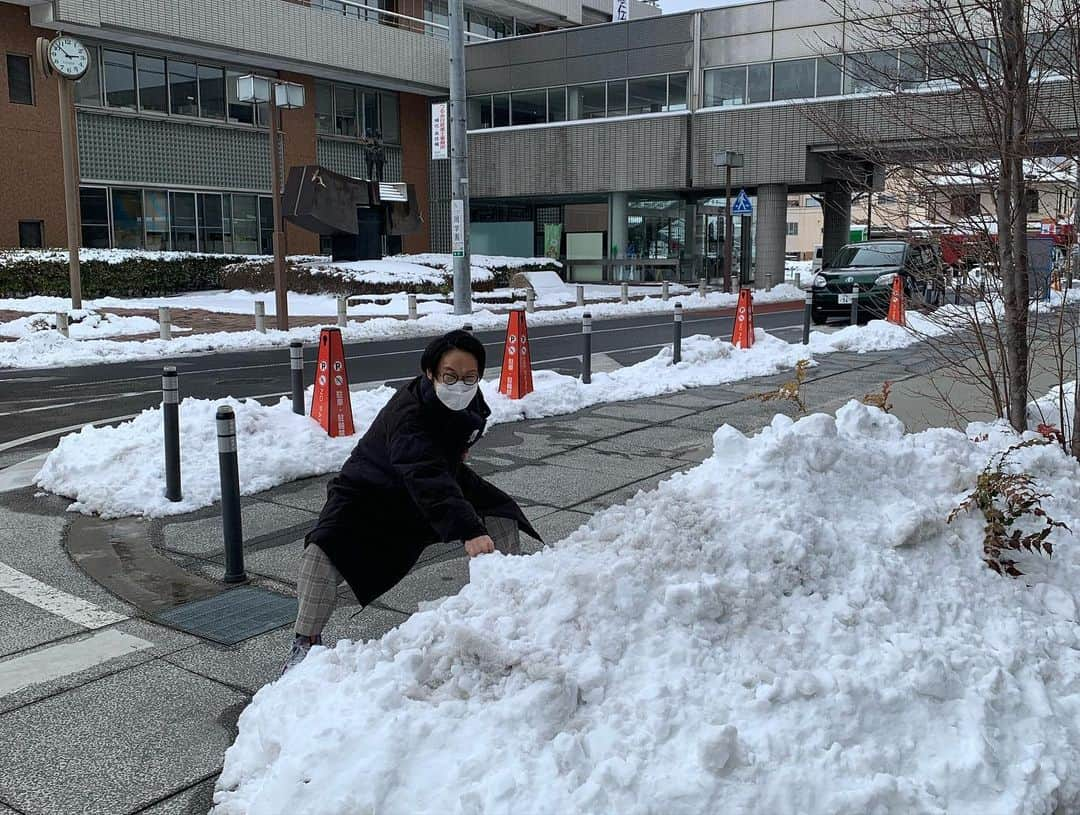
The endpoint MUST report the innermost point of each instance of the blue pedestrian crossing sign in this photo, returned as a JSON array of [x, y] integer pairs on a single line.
[[742, 205]]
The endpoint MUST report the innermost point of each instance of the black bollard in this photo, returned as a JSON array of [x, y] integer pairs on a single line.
[[855, 304], [467, 328], [676, 340], [586, 351], [232, 527], [296, 363], [807, 312], [170, 410]]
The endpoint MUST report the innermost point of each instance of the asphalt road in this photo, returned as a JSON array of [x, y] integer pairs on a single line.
[[36, 406]]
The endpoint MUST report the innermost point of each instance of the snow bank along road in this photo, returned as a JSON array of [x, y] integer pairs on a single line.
[[44, 401]]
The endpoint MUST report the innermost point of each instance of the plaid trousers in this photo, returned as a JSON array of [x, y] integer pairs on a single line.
[[318, 580]]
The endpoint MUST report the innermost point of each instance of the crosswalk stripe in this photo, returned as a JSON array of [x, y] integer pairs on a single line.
[[55, 601], [62, 659]]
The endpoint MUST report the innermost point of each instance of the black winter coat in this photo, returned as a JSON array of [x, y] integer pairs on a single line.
[[406, 486]]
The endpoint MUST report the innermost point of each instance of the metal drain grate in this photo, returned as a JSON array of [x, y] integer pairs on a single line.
[[232, 616]]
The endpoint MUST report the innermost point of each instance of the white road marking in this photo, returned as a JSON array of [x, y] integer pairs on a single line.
[[111, 397], [19, 442], [65, 658], [55, 601], [22, 474]]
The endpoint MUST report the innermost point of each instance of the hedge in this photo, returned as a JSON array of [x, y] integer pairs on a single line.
[[22, 275]]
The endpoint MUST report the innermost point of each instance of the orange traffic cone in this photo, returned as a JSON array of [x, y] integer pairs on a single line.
[[516, 378], [331, 406], [897, 314], [743, 335]]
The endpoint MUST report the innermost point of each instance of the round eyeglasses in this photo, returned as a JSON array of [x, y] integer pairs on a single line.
[[451, 378]]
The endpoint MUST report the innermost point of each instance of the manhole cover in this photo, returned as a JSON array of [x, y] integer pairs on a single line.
[[232, 616]]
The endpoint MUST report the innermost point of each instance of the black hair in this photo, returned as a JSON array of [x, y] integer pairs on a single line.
[[460, 340]]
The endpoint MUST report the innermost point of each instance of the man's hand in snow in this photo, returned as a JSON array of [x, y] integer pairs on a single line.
[[482, 545]]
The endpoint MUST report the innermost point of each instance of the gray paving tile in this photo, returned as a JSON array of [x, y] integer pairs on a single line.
[[257, 661], [203, 536], [24, 626], [620, 464], [559, 486], [520, 444], [583, 427], [6, 810], [625, 493], [645, 410], [309, 494], [558, 525], [164, 641], [698, 398], [428, 583], [195, 801], [278, 562], [149, 730], [667, 440]]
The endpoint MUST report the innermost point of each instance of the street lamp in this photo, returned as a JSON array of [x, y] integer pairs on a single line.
[[279, 95], [727, 159]]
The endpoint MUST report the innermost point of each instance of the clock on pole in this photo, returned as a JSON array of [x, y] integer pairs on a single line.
[[68, 57]]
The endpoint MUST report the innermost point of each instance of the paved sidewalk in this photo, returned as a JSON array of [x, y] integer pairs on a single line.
[[144, 729]]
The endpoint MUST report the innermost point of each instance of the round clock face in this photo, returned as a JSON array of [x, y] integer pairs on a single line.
[[69, 57]]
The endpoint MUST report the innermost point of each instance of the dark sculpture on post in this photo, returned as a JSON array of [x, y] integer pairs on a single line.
[[374, 156]]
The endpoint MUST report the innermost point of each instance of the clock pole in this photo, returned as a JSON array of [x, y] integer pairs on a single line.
[[71, 185]]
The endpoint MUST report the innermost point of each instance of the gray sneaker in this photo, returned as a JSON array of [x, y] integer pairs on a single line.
[[300, 647]]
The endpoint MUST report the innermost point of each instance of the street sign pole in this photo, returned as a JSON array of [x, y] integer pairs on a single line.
[[459, 163]]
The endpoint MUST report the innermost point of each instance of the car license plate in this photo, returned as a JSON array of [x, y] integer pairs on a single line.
[[845, 299]]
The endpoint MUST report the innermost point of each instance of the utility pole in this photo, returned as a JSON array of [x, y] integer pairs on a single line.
[[281, 285], [459, 163]]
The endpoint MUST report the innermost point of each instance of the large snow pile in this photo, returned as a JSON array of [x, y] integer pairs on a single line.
[[401, 272], [83, 324], [720, 644], [119, 470]]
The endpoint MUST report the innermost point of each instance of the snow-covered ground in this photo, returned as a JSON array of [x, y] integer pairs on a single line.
[[717, 645], [83, 324], [43, 349], [118, 471], [112, 256]]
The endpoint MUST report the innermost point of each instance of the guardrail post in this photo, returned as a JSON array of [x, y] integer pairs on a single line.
[[412, 307], [260, 316], [855, 304], [296, 364], [164, 322], [170, 410], [586, 351], [702, 284], [580, 296], [665, 291], [232, 526], [676, 342], [624, 293], [807, 313], [342, 312], [530, 300], [768, 280], [62, 323]]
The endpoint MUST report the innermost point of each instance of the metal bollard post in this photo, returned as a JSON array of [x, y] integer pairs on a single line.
[[260, 316], [296, 363], [768, 280], [676, 343], [702, 283], [624, 293], [855, 304], [467, 328], [735, 284], [530, 300], [581, 296], [665, 291], [342, 313], [232, 527], [62, 323], [164, 322], [170, 410], [412, 307], [586, 351], [806, 318]]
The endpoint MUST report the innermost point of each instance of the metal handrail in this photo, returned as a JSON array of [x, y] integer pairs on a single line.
[[347, 4]]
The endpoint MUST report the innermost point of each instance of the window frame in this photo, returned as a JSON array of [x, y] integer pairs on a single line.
[[40, 223], [813, 81], [8, 55]]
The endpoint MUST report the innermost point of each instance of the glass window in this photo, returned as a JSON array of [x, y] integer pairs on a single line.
[[912, 68], [616, 98], [677, 91], [870, 71], [156, 219], [183, 88], [829, 77], [182, 219], [759, 82], [521, 29], [324, 107], [245, 224], [1053, 53], [556, 104], [435, 11], [153, 92], [793, 79], [20, 80], [586, 101], [792, 228], [94, 213], [211, 231], [211, 92], [647, 95], [371, 114], [345, 110], [870, 254], [725, 86], [528, 108], [501, 110], [88, 88], [30, 235], [391, 122], [119, 78], [127, 219], [1031, 201], [240, 112], [479, 113], [266, 225]]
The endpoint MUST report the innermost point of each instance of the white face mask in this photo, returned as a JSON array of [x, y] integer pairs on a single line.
[[456, 396]]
